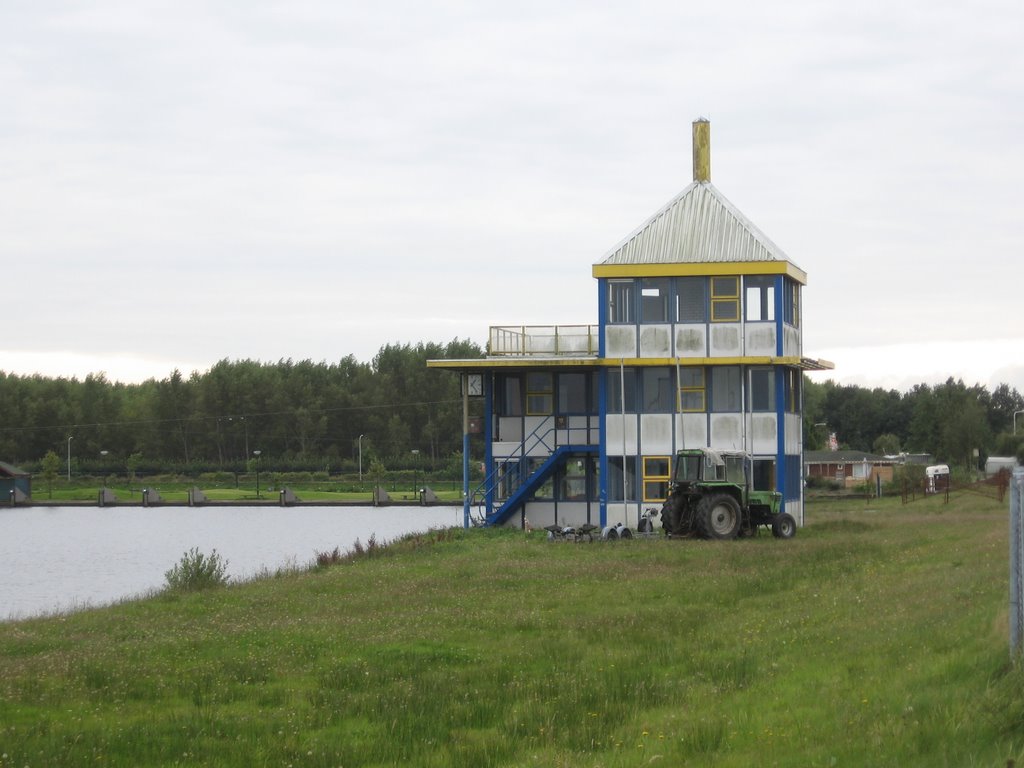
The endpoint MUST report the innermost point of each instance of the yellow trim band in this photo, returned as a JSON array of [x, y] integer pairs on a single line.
[[702, 269]]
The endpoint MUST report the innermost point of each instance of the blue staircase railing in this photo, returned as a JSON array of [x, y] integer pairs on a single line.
[[509, 473]]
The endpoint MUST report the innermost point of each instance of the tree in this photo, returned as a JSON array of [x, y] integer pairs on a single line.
[[886, 445], [51, 468]]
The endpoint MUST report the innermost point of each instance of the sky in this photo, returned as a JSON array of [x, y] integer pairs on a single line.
[[186, 182]]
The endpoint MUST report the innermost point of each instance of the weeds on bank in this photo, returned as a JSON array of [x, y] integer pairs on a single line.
[[196, 571]]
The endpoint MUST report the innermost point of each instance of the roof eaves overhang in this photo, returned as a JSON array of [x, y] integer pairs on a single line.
[[702, 269], [490, 363]]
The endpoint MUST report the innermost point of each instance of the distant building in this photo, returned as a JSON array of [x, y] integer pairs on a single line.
[[698, 344], [849, 468], [15, 484]]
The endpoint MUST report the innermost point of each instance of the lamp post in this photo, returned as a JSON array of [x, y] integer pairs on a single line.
[[1015, 421], [360, 441], [416, 472], [257, 455], [69, 457]]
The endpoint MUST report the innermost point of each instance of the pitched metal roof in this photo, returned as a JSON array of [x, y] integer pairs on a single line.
[[698, 226]]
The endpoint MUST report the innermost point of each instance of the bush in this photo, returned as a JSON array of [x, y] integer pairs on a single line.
[[196, 571]]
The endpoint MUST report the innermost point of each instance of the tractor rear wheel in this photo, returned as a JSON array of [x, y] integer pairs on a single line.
[[718, 517], [783, 526]]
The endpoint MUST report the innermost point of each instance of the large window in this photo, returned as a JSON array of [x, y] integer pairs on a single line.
[[760, 298], [762, 389], [657, 392], [621, 301], [510, 402], [539, 393], [622, 381], [654, 296], [616, 478], [656, 477], [726, 389], [725, 299], [691, 300], [572, 393], [691, 390], [576, 479]]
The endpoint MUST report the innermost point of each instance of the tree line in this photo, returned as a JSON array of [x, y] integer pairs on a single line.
[[298, 415], [310, 416], [950, 421]]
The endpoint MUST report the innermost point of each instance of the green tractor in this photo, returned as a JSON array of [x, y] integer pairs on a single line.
[[711, 497]]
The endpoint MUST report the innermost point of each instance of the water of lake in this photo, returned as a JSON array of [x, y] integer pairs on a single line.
[[68, 558]]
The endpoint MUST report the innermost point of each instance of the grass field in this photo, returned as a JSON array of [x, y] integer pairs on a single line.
[[876, 637]]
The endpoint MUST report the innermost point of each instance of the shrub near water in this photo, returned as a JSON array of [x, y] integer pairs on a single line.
[[196, 571]]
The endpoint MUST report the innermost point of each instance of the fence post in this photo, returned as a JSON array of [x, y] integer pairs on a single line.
[[1016, 563]]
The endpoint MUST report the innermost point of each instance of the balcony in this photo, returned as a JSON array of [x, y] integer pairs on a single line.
[[543, 340]]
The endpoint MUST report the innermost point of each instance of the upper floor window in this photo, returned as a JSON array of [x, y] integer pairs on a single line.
[[791, 303], [622, 390], [691, 300], [572, 393], [726, 389], [759, 291], [621, 301], [762, 389], [654, 296], [725, 299], [539, 393], [658, 390], [510, 395]]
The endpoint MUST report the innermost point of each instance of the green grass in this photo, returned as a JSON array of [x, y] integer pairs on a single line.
[[876, 637]]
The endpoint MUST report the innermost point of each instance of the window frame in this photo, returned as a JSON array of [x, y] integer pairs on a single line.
[[545, 397], [622, 291], [690, 389], [656, 476], [722, 298]]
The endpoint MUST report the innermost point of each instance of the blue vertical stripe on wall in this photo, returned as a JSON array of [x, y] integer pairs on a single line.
[[602, 456], [780, 416], [780, 283], [488, 441], [602, 314]]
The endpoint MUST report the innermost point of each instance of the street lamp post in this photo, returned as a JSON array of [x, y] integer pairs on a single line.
[[69, 457], [361, 459], [257, 455], [416, 472]]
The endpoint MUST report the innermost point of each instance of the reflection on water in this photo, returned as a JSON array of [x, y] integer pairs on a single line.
[[63, 558]]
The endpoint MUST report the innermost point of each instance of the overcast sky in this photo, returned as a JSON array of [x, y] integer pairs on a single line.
[[183, 182]]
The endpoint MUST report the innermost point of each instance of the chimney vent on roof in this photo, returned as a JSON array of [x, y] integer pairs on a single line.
[[701, 150]]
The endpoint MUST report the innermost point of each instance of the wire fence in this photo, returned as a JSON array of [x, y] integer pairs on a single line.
[[1016, 563]]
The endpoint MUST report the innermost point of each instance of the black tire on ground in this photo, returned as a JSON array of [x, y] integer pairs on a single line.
[[625, 533], [610, 534], [783, 526], [718, 517]]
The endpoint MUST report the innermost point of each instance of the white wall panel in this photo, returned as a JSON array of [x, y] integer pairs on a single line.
[[726, 432], [620, 341], [655, 341], [691, 340], [760, 339], [614, 437], [764, 435], [656, 434], [725, 340], [691, 430]]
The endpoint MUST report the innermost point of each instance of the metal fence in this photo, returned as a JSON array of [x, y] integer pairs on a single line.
[[1016, 562]]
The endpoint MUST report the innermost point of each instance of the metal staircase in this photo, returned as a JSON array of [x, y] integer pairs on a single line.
[[508, 474]]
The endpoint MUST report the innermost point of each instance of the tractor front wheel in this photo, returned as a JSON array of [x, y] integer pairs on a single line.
[[783, 526], [718, 517]]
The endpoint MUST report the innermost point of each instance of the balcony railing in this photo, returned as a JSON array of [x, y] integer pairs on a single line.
[[543, 340]]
